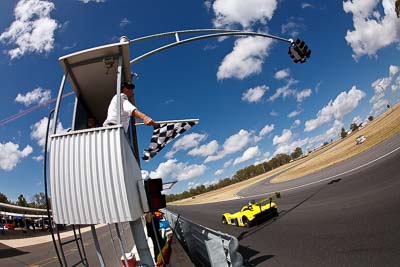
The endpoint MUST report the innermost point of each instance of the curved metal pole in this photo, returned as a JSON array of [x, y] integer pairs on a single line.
[[178, 32], [58, 103], [197, 38], [45, 189]]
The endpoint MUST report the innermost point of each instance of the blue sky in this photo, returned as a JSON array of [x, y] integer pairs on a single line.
[[252, 100]]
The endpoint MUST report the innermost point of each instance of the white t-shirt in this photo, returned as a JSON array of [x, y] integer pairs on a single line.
[[126, 111]]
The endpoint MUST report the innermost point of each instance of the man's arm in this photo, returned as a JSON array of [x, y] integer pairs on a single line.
[[146, 119]]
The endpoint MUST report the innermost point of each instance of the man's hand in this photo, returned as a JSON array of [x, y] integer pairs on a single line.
[[149, 121], [146, 119]]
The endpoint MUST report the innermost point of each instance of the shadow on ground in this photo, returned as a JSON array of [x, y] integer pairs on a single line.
[[249, 256], [8, 252]]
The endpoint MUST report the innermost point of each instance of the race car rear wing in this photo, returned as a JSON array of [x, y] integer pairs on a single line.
[[269, 199]]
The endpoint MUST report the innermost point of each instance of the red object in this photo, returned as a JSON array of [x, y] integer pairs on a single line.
[[9, 226], [130, 258]]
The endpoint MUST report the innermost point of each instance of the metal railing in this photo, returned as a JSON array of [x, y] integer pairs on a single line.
[[205, 246]]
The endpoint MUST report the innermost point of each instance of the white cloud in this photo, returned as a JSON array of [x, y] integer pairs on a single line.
[[368, 23], [68, 47], [231, 145], [381, 85], [284, 138], [96, 1], [64, 26], [10, 156], [289, 147], [331, 133], [208, 47], [124, 22], [357, 120], [208, 4], [228, 163], [267, 129], [273, 113], [282, 74], [293, 27], [219, 172], [255, 94], [344, 103], [38, 130], [300, 96], [294, 113], [208, 183], [205, 150], [38, 158], [265, 157], [284, 91], [246, 58], [378, 105], [36, 96], [169, 101], [231, 12], [248, 154], [379, 100], [317, 87], [347, 102], [287, 89], [306, 5], [236, 142], [33, 29], [177, 170], [296, 123], [186, 142], [193, 184], [396, 85], [393, 70]]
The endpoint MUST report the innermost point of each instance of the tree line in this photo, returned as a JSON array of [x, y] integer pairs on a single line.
[[38, 201], [240, 175]]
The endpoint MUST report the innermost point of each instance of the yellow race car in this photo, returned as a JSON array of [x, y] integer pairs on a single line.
[[252, 212]]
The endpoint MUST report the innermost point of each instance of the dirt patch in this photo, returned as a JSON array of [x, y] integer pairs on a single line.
[[377, 131]]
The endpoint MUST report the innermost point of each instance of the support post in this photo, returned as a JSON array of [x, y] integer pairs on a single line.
[[119, 80], [141, 243], [97, 245], [120, 244]]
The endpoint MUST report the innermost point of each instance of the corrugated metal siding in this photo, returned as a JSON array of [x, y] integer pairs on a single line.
[[93, 177]]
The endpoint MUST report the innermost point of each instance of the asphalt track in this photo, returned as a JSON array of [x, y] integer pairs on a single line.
[[345, 215]]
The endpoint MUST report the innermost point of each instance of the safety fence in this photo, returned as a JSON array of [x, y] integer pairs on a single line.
[[205, 246]]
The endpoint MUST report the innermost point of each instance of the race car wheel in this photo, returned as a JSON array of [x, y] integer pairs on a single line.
[[224, 220], [245, 221], [275, 212]]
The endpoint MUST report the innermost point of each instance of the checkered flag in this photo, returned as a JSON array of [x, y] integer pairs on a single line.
[[163, 133]]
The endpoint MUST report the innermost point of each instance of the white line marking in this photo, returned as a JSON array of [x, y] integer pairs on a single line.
[[328, 178]]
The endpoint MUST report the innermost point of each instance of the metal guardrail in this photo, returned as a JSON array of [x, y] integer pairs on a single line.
[[205, 246]]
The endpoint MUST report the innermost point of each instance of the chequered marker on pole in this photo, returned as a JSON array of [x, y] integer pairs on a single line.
[[163, 134]]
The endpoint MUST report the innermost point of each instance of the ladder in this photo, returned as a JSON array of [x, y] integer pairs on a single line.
[[77, 238]]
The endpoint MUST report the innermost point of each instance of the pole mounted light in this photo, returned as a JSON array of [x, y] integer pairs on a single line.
[[155, 199], [299, 51]]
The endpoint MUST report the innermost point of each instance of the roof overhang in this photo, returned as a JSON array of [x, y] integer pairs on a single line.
[[92, 74]]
